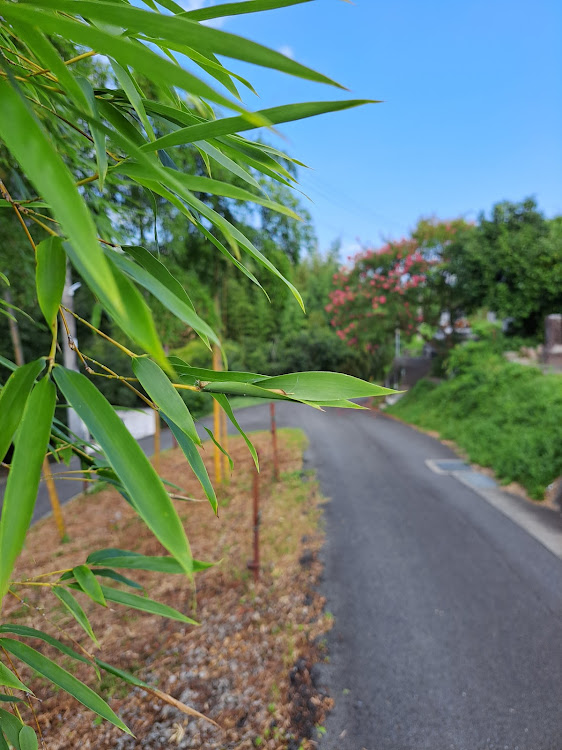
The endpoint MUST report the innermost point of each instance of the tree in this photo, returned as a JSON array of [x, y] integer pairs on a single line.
[[84, 147], [511, 264], [405, 285]]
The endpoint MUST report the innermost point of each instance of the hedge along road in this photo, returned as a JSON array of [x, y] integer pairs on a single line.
[[447, 613]]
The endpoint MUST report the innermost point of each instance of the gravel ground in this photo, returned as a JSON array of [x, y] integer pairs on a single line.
[[249, 666]]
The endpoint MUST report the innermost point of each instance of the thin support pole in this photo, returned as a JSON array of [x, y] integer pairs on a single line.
[[54, 498], [274, 441], [157, 441]]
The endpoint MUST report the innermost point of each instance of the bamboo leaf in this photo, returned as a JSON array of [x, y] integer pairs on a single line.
[[28, 739], [26, 632], [66, 598], [11, 727], [224, 402], [127, 459], [195, 461], [193, 374], [139, 57], [89, 584], [119, 558], [13, 398], [50, 277], [9, 699], [144, 604], [323, 386], [63, 679], [9, 679], [235, 9], [182, 30], [26, 140], [98, 135], [165, 396], [151, 274], [220, 447], [128, 85], [213, 187], [229, 125], [108, 573], [49, 57], [24, 476]]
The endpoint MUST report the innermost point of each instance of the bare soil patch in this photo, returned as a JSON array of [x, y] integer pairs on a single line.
[[247, 666]]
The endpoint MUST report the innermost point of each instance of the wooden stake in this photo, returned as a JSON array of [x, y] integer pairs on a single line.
[[54, 498]]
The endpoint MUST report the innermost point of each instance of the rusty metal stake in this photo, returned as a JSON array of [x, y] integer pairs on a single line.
[[274, 441], [255, 563]]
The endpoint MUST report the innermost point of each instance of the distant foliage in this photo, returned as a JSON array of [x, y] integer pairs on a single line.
[[504, 415], [403, 285]]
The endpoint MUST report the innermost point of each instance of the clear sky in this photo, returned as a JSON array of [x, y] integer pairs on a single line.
[[472, 110]]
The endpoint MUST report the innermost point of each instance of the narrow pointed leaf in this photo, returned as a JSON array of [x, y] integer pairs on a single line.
[[224, 402], [26, 632], [220, 447], [139, 57], [128, 85], [98, 135], [63, 679], [235, 9], [323, 386], [184, 31], [43, 166], [8, 679], [229, 125], [165, 396], [13, 398], [9, 699], [50, 277], [204, 374], [66, 598], [127, 459], [154, 278], [114, 576], [195, 461], [144, 604], [89, 584], [119, 558], [24, 476]]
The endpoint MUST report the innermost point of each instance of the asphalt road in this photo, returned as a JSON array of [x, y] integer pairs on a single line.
[[447, 630]]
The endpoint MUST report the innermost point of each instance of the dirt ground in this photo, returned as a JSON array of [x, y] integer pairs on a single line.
[[248, 666]]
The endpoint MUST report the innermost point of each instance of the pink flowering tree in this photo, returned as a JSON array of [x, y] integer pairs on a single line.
[[403, 285]]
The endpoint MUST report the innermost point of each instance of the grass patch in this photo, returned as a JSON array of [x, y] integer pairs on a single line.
[[505, 416]]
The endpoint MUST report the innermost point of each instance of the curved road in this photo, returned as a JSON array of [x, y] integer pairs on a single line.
[[448, 628]]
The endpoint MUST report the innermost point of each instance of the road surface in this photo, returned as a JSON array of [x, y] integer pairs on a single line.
[[448, 629]]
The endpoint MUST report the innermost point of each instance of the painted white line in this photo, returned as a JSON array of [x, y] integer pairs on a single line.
[[516, 509]]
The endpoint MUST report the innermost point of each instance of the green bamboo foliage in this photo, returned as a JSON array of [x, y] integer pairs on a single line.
[[57, 123]]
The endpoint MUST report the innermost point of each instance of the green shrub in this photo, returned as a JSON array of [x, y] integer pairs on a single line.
[[505, 416]]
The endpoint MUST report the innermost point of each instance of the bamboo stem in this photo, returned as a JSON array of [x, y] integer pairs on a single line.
[[54, 498]]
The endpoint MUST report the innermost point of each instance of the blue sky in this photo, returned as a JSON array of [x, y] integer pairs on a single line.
[[472, 110]]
